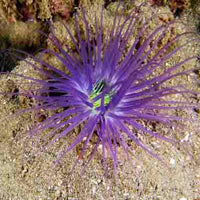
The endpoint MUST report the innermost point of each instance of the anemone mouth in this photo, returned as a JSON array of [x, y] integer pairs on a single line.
[[100, 95]]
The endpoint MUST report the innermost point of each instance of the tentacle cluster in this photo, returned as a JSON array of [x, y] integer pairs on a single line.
[[110, 86]]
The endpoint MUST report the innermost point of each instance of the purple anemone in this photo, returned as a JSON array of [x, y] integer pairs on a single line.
[[110, 87]]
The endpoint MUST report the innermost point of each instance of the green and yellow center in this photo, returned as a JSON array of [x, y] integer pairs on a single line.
[[96, 91]]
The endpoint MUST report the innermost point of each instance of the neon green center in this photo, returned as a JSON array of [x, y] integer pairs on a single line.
[[97, 90]]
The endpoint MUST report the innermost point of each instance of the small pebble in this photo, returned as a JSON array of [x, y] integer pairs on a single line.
[[183, 198], [172, 162]]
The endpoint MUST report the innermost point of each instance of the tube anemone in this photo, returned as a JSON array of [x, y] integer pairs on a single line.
[[110, 86]]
